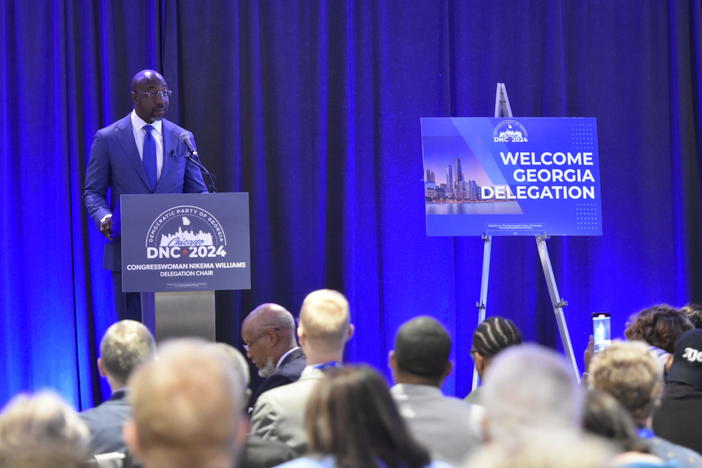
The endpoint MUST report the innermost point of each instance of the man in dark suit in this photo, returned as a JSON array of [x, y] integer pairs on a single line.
[[140, 153], [268, 333], [125, 345]]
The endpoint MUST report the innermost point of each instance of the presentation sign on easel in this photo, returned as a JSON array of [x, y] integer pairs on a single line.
[[511, 176]]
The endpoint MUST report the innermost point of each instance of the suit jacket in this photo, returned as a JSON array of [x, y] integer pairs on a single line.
[[279, 412], [448, 427], [105, 423], [288, 371], [115, 164]]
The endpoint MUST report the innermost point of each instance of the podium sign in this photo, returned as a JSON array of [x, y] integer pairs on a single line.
[[185, 242], [529, 176]]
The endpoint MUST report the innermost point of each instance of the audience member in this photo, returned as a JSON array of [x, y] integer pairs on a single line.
[[545, 448], [257, 452], [323, 332], [187, 409], [658, 326], [33, 455], [492, 336], [42, 431], [268, 333], [447, 426], [352, 421], [529, 388], [533, 406], [694, 313], [125, 345], [680, 413], [631, 374], [606, 418]]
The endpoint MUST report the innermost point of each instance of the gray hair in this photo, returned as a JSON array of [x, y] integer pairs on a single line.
[[527, 387], [42, 419]]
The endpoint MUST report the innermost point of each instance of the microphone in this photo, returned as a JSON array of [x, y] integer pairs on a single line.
[[185, 138], [193, 157]]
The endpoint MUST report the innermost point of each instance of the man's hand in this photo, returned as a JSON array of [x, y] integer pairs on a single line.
[[106, 226]]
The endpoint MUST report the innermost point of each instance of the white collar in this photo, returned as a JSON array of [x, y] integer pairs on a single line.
[[138, 123]]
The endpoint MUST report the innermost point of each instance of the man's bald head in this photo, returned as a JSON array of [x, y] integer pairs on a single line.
[[146, 77], [270, 315], [150, 95], [268, 332]]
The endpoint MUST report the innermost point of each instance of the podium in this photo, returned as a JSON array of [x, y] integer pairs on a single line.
[[177, 249]]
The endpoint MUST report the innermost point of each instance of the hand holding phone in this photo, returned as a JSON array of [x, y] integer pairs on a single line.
[[601, 330]]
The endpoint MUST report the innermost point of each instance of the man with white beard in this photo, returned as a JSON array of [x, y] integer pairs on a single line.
[[268, 333]]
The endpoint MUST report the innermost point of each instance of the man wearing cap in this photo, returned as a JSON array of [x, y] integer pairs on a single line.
[[680, 413], [447, 426]]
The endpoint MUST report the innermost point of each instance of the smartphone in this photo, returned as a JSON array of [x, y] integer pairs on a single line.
[[601, 330]]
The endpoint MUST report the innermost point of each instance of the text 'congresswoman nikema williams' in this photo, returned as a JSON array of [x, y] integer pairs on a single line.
[[506, 176], [174, 242]]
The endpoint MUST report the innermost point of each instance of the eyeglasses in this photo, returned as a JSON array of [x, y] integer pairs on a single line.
[[152, 94], [253, 342]]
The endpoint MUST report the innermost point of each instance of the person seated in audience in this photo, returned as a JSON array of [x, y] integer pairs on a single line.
[[631, 374], [323, 332], [268, 333], [447, 426], [533, 413], [658, 326], [42, 430], [694, 313], [529, 387], [352, 421], [187, 409], [125, 345], [492, 336], [680, 413], [606, 418], [257, 452], [545, 448], [33, 455]]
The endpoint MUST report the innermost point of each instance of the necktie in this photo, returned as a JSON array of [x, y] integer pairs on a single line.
[[149, 156]]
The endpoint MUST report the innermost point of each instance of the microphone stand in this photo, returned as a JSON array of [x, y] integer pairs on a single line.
[[193, 157]]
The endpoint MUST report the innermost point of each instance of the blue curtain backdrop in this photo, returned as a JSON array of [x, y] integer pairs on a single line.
[[313, 107]]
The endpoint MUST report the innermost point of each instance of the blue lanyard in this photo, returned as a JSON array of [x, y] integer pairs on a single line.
[[646, 433], [327, 365]]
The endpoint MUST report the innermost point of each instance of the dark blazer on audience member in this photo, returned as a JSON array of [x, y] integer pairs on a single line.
[[288, 372], [105, 423]]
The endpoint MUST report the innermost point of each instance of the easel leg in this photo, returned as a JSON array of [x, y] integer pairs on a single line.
[[557, 301], [482, 305]]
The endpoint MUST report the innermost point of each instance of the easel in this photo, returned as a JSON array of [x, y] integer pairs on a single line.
[[503, 109]]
